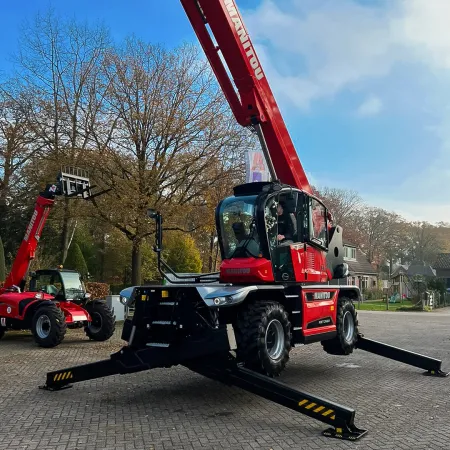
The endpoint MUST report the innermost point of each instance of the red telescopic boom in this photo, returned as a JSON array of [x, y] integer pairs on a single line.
[[255, 105]]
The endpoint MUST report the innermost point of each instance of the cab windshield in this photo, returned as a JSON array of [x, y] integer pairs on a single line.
[[238, 228], [72, 284]]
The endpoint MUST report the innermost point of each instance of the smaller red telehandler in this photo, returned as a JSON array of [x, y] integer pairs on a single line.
[[55, 299]]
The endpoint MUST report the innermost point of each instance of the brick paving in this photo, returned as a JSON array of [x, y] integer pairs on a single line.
[[177, 409]]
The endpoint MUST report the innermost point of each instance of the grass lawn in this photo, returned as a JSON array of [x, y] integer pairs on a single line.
[[380, 305]]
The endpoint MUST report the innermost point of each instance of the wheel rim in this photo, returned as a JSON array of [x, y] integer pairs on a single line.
[[349, 326], [43, 326], [96, 325], [274, 339]]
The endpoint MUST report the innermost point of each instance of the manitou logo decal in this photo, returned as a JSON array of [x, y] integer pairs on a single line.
[[237, 271], [322, 295], [243, 36], [30, 226]]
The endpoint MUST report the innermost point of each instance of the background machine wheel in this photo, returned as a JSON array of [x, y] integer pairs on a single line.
[[263, 335], [347, 329], [48, 326], [103, 322]]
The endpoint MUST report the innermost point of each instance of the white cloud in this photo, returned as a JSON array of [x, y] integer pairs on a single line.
[[346, 44], [371, 106], [317, 49]]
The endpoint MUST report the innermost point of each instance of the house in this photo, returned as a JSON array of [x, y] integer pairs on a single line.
[[408, 280], [442, 267], [361, 271]]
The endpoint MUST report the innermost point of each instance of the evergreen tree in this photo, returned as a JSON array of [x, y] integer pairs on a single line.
[[75, 260]]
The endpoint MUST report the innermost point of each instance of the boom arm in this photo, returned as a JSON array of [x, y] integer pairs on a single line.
[[255, 105], [30, 241], [71, 183]]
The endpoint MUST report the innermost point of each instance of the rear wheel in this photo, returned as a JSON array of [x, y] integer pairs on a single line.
[[263, 337], [346, 327], [48, 326], [103, 322]]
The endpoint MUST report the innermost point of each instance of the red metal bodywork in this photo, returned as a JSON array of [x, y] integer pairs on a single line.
[[10, 306], [10, 297], [310, 265], [251, 270], [73, 312], [316, 310]]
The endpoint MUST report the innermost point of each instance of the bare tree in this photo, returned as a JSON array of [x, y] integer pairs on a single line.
[[58, 66], [172, 123], [423, 242], [17, 144], [346, 207]]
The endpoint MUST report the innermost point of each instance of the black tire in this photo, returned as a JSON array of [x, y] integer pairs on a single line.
[[347, 329], [103, 322], [48, 326], [2, 332], [253, 330]]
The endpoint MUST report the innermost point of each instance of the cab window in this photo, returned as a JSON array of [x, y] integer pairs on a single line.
[[318, 223]]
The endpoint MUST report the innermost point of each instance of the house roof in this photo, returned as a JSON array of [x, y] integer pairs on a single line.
[[420, 268], [399, 269], [442, 261], [348, 243], [361, 265]]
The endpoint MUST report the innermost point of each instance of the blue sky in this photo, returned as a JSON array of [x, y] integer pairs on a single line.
[[363, 85]]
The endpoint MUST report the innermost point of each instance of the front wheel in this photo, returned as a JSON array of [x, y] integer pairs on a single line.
[[48, 326], [263, 337], [103, 322], [346, 327]]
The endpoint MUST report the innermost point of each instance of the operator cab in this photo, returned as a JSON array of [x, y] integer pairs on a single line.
[[62, 284], [274, 232]]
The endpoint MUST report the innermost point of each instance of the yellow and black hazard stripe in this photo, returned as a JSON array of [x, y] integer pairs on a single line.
[[316, 408], [63, 376]]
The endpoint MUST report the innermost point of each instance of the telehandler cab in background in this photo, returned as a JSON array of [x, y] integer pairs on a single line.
[[56, 299], [238, 326]]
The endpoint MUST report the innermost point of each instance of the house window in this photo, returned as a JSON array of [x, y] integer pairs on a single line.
[[364, 282], [350, 253]]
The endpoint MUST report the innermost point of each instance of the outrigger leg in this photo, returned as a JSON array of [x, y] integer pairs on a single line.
[[220, 367], [431, 365]]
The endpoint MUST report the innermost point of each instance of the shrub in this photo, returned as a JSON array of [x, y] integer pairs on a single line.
[[97, 290]]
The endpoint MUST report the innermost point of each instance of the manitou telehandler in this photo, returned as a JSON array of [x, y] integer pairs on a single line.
[[56, 299], [282, 258]]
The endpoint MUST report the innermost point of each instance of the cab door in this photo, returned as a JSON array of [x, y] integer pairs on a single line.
[[310, 258], [282, 232]]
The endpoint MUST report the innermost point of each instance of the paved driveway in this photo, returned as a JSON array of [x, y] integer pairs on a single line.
[[177, 409]]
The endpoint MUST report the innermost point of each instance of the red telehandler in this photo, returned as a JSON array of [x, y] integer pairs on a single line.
[[282, 259], [56, 299]]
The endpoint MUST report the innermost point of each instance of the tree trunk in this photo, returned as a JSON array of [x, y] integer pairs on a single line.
[[136, 263], [102, 258], [211, 251], [65, 235]]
